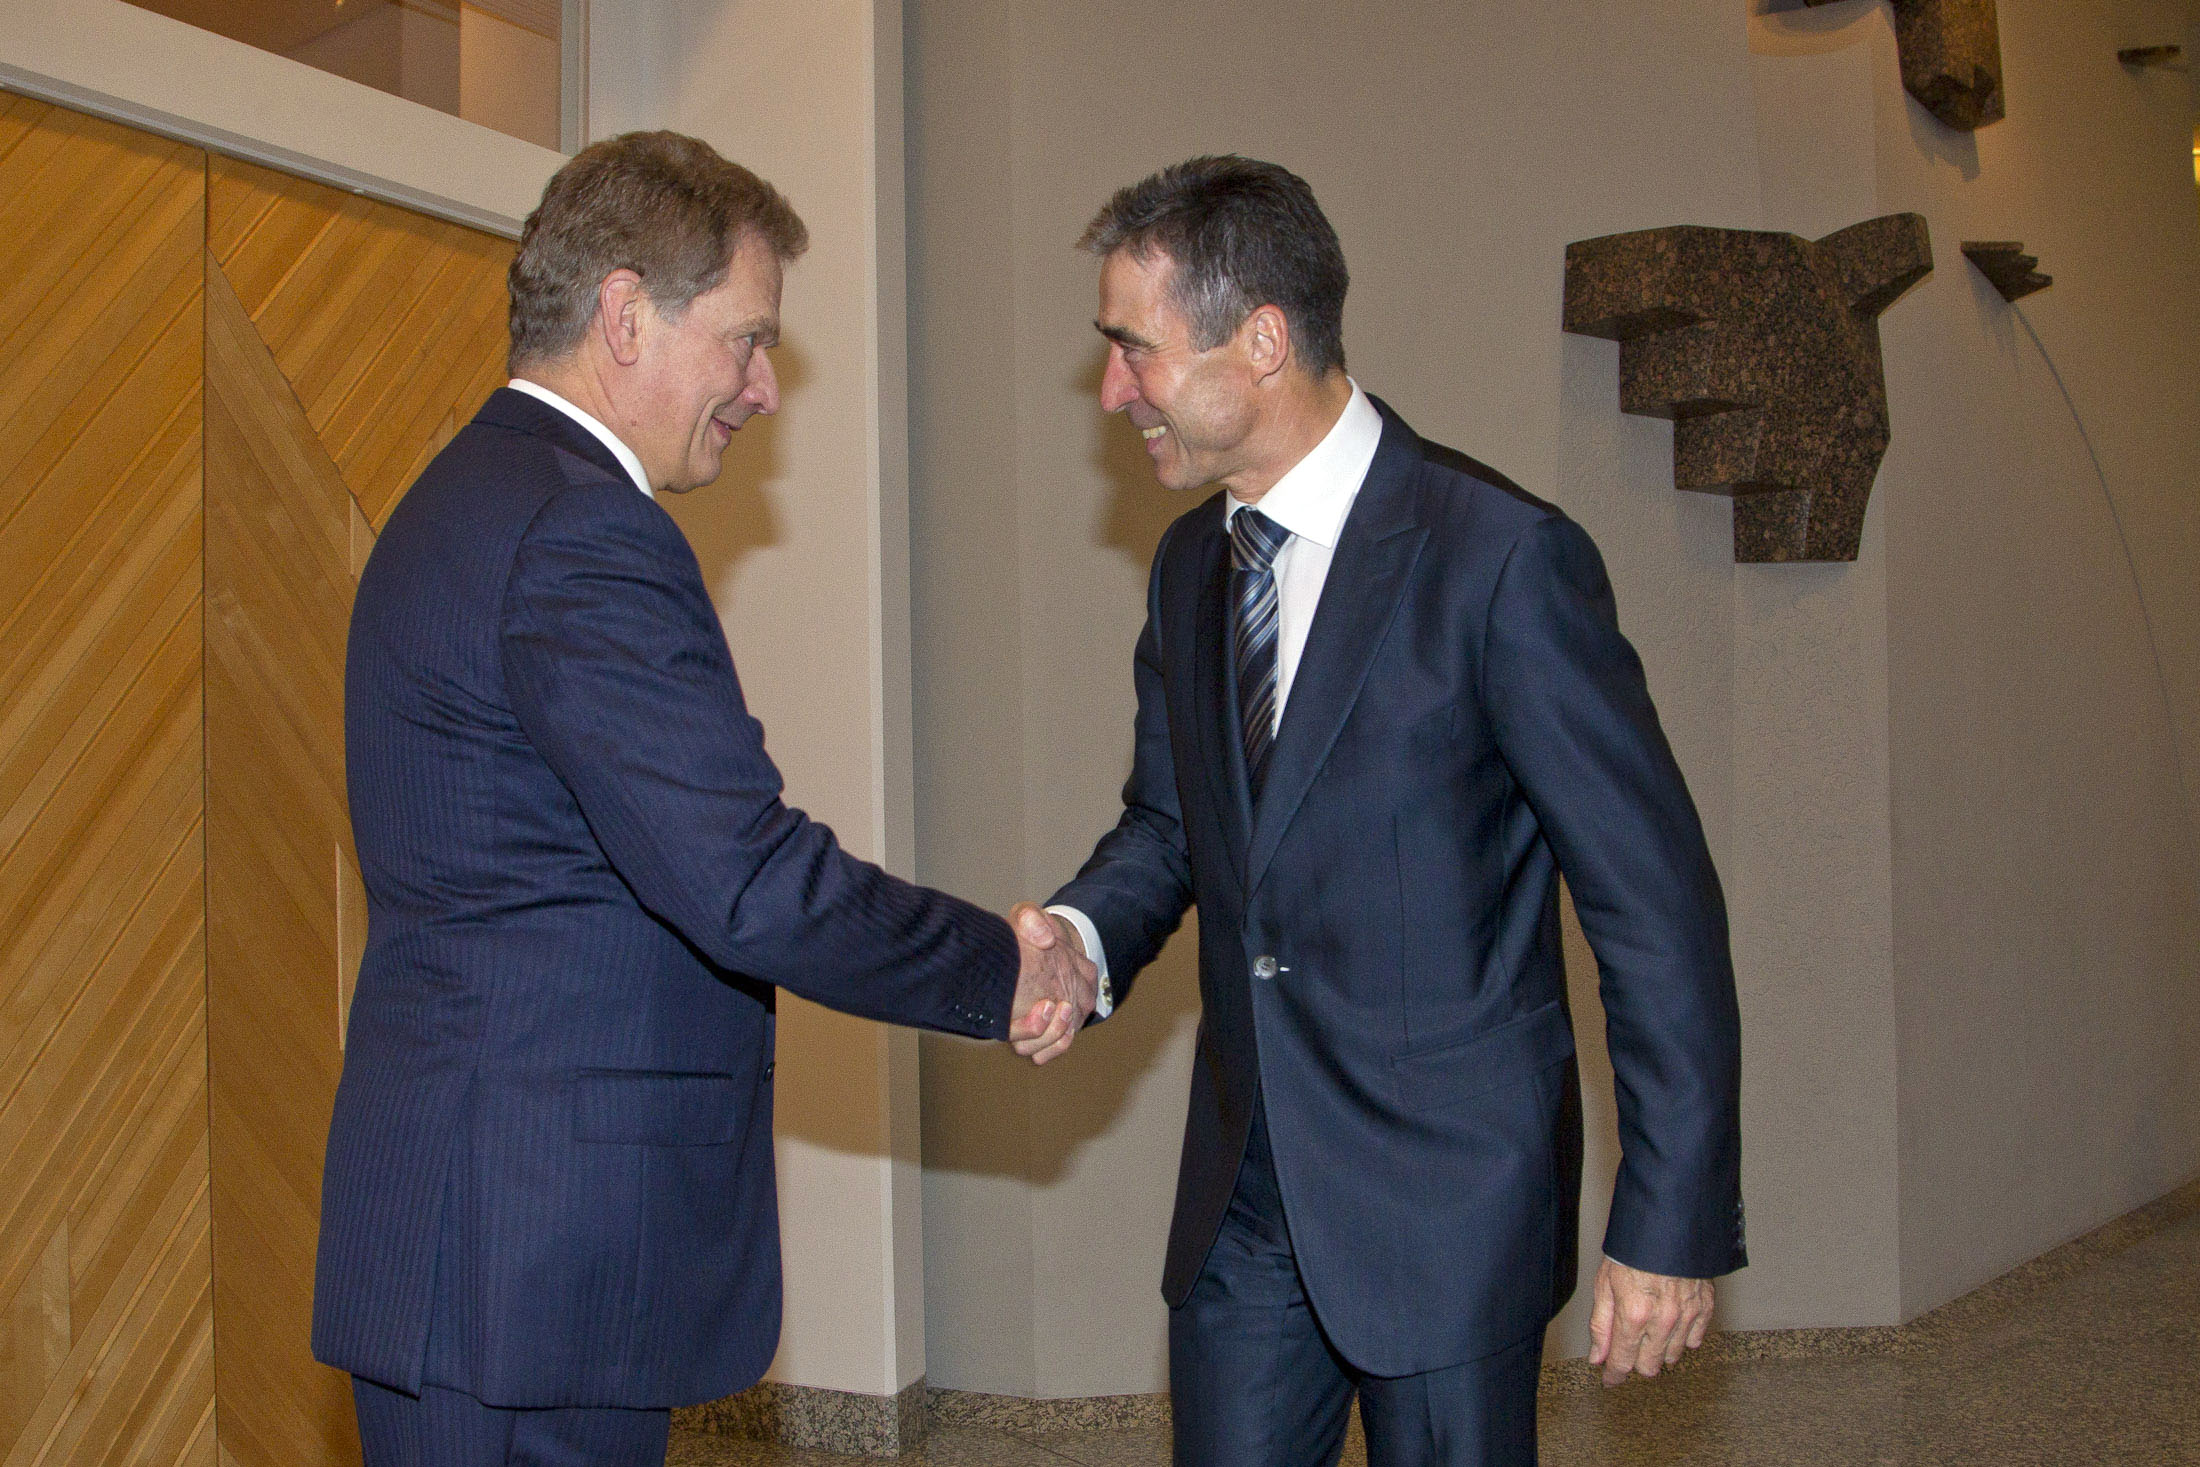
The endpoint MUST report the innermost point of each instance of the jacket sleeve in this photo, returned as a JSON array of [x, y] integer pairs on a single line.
[[1137, 884], [618, 672], [1573, 719]]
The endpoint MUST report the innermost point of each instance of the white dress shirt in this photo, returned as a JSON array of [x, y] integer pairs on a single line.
[[604, 435], [1311, 501]]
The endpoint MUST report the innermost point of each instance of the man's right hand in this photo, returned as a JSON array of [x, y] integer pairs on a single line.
[[1055, 989]]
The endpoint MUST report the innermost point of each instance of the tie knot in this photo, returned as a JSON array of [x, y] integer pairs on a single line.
[[1254, 540]]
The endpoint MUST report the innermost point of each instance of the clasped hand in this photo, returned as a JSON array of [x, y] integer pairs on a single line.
[[1642, 1322], [1056, 987]]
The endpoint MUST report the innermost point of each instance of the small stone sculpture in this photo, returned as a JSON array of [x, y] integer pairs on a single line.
[[1951, 58], [2003, 261], [1764, 351]]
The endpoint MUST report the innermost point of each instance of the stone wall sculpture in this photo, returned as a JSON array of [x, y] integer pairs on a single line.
[[1764, 351], [2003, 261], [1951, 58]]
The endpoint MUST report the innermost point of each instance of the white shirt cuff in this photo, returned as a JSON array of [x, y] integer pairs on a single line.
[[1104, 1005]]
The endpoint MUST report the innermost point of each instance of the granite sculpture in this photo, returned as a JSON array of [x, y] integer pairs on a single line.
[[2003, 261], [1951, 58], [1763, 349]]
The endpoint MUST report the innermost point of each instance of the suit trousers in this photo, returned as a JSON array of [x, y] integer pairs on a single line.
[[447, 1428], [1254, 1381]]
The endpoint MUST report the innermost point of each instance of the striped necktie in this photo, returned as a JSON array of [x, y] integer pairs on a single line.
[[1254, 541]]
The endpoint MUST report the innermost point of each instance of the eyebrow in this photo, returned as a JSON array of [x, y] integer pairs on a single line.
[[1123, 336], [764, 328]]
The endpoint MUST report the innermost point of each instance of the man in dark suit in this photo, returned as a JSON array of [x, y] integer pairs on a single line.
[[1383, 702], [548, 1210]]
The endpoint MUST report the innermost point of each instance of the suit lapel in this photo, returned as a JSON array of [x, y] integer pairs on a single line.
[[1375, 554], [1214, 688]]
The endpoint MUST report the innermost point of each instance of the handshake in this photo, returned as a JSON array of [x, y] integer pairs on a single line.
[[1056, 987]]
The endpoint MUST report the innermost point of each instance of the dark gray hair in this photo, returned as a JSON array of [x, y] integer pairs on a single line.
[[1243, 234], [661, 204]]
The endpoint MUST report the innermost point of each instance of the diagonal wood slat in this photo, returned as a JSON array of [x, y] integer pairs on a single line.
[[215, 383], [389, 326], [105, 1271], [278, 594]]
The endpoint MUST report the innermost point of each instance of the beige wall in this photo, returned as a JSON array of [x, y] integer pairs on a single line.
[[2044, 656], [1926, 981], [804, 545]]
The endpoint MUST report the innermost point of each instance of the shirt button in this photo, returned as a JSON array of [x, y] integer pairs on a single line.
[[1264, 966]]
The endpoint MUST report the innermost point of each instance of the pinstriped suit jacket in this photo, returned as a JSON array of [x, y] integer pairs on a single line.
[[549, 1176], [1467, 722]]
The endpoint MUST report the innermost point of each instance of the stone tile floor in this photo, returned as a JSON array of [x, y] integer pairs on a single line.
[[2100, 1365]]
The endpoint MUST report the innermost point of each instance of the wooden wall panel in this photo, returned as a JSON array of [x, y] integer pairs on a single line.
[[178, 892], [389, 326], [105, 1318], [278, 592], [346, 343]]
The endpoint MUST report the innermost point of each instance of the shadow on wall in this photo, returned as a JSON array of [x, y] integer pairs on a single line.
[[731, 518], [1813, 17], [1090, 1088], [1072, 1101], [1087, 1091], [1082, 1097], [1138, 508], [1806, 26], [1944, 145], [2010, 330], [725, 522]]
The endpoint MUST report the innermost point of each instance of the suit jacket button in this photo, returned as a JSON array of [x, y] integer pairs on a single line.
[[1264, 966], [769, 1068]]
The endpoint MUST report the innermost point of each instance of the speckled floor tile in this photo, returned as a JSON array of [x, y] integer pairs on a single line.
[[2098, 1366], [1149, 1447], [1141, 1446], [2101, 1367], [946, 1446]]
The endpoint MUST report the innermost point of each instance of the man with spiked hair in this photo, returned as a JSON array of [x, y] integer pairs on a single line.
[[1383, 704]]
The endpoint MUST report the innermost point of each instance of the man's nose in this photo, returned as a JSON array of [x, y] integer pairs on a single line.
[[1118, 389], [763, 388]]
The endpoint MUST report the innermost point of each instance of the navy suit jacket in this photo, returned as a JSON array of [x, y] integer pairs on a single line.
[[553, 1136], [1466, 723]]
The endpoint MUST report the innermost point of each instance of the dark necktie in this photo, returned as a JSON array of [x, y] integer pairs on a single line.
[[1254, 541]]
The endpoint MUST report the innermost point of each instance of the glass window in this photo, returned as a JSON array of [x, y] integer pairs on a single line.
[[500, 63]]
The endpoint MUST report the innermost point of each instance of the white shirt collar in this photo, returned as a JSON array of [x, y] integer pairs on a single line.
[[608, 438], [1312, 499]]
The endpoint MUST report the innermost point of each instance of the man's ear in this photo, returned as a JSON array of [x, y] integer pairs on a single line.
[[620, 305], [1267, 334]]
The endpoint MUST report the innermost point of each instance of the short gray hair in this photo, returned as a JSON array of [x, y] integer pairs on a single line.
[[1243, 234], [661, 204]]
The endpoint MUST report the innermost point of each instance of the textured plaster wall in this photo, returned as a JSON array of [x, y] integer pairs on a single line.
[[1939, 783], [2044, 655], [804, 543]]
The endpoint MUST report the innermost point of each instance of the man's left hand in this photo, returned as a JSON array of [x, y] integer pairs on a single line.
[[1641, 1322]]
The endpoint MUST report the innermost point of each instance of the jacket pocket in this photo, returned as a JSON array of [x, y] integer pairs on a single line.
[[659, 1108], [1512, 1052]]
